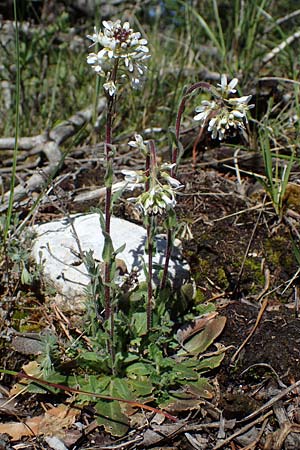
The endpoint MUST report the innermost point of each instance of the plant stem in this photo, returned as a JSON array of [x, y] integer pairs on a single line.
[[109, 313], [167, 259], [108, 183], [195, 86], [199, 85], [108, 141], [150, 268], [150, 167]]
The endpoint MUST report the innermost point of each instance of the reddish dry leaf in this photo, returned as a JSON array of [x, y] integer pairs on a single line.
[[33, 369], [52, 423], [192, 328], [201, 341], [180, 405]]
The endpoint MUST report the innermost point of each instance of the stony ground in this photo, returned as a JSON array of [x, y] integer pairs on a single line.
[[242, 261]]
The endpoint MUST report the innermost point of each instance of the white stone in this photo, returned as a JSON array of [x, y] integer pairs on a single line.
[[56, 248]]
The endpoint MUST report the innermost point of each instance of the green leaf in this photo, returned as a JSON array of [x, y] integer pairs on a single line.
[[101, 218], [155, 354], [93, 384], [140, 293], [139, 369], [108, 248], [120, 249], [201, 341], [119, 387], [112, 418], [108, 179], [89, 356], [34, 388], [201, 388], [204, 308], [25, 276], [117, 194], [139, 324], [131, 356], [187, 291], [141, 387], [210, 363], [185, 373]]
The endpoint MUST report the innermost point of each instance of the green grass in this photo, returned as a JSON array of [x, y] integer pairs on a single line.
[[50, 80]]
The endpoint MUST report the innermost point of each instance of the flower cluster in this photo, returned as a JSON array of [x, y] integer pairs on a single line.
[[161, 196], [224, 113], [162, 186], [122, 49], [157, 200]]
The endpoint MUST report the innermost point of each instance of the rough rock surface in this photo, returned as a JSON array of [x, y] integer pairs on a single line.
[[57, 249]]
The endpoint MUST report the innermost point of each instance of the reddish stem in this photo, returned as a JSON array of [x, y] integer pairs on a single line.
[[92, 394], [167, 259], [150, 166], [150, 268], [199, 85], [107, 148], [109, 314]]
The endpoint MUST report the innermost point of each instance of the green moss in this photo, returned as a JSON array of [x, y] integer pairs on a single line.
[[222, 279], [279, 253], [199, 297], [253, 275], [253, 266]]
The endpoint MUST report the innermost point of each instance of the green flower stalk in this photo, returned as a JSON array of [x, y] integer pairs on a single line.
[[222, 114], [157, 200], [121, 56]]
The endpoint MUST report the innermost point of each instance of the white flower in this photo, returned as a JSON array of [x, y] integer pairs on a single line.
[[119, 42], [205, 110], [228, 88], [139, 144], [110, 87], [224, 114], [93, 37], [175, 184], [100, 65], [240, 106], [134, 178]]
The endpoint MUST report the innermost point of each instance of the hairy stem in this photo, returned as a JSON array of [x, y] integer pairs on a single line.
[[108, 141], [199, 85], [150, 166], [109, 313], [150, 269], [167, 259]]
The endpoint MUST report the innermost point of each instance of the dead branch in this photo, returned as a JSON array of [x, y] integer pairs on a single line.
[[243, 430], [269, 56], [49, 144]]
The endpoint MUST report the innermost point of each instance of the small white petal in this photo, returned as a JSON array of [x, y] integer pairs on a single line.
[[223, 81], [201, 116], [92, 58], [233, 84], [238, 114]]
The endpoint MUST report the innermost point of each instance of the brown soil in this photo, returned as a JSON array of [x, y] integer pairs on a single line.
[[242, 260]]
